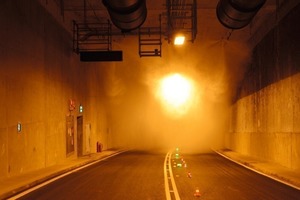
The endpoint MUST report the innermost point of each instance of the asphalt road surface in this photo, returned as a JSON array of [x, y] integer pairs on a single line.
[[139, 175], [216, 178]]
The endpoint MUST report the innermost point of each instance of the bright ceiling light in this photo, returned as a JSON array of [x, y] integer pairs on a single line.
[[179, 40]]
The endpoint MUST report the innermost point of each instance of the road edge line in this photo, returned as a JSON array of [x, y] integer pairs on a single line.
[[257, 171], [62, 174]]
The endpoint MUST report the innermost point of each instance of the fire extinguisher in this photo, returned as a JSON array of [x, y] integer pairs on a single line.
[[99, 147]]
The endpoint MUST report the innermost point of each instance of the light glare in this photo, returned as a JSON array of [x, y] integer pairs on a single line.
[[176, 93], [175, 90], [179, 40]]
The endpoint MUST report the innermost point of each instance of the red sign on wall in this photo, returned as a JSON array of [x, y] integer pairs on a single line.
[[72, 105]]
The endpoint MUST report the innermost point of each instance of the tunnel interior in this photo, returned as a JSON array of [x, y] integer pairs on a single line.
[[54, 107]]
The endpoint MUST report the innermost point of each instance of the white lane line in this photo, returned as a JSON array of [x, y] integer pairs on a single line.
[[58, 177], [168, 168], [172, 178], [259, 172], [167, 188]]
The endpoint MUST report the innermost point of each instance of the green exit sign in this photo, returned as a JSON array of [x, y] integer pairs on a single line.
[[80, 108], [19, 127]]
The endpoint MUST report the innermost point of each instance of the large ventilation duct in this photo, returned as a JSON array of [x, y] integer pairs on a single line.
[[126, 15], [236, 14]]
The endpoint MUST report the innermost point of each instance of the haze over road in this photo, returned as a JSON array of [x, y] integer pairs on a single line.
[[139, 175]]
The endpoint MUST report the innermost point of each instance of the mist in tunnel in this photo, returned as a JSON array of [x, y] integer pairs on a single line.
[[138, 116]]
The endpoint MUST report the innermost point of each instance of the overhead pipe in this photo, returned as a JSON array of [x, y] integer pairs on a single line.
[[236, 14], [126, 15]]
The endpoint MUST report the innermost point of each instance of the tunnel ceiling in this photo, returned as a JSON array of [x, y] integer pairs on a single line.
[[209, 28]]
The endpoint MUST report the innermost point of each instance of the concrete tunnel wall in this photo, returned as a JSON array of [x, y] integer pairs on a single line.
[[39, 74], [265, 118]]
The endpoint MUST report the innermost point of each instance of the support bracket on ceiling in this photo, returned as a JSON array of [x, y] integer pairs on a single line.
[[92, 37], [181, 18], [150, 40]]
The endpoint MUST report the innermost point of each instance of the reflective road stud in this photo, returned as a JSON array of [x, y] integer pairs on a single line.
[[197, 193]]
